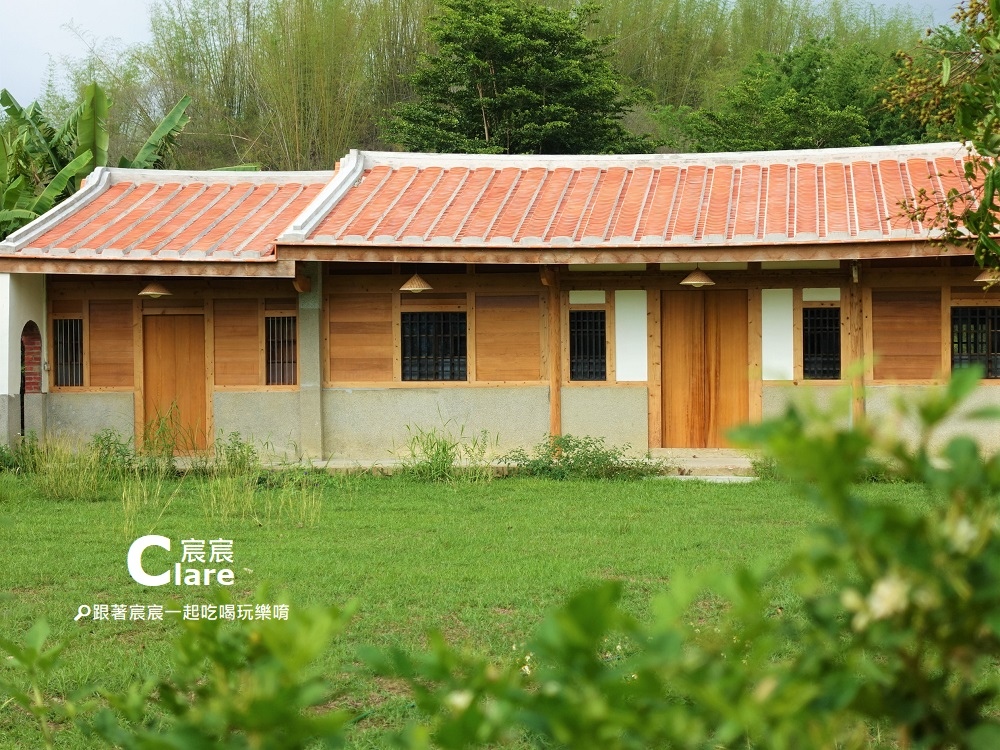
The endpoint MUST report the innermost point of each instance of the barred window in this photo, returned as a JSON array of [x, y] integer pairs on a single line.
[[434, 346], [68, 335], [821, 343], [281, 350], [975, 338], [587, 345]]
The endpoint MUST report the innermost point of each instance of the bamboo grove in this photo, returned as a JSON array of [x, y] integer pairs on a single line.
[[294, 84]]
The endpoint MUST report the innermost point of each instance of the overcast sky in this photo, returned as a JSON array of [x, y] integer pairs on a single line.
[[36, 32]]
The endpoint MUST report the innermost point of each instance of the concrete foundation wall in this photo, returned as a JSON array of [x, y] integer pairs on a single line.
[[270, 419], [10, 418], [371, 423], [879, 406], [827, 397], [78, 416], [619, 415]]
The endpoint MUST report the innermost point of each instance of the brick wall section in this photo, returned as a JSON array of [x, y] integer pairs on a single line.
[[31, 346]]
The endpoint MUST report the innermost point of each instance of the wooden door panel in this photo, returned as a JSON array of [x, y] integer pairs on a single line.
[[174, 377], [683, 316], [727, 364]]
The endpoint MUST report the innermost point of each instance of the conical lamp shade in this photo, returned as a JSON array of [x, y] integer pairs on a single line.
[[697, 279], [415, 284], [154, 291], [989, 276]]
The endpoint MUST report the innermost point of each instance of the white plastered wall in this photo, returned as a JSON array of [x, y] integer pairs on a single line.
[[631, 355], [5, 327], [778, 339], [22, 298]]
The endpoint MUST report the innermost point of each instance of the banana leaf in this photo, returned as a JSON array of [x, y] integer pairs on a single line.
[[158, 146], [92, 129], [35, 132], [55, 188]]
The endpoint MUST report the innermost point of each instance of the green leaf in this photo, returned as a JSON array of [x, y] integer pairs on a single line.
[[55, 188], [945, 71], [984, 736], [31, 126], [92, 129], [154, 151]]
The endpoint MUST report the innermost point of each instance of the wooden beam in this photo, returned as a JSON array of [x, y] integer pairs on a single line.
[[79, 266], [616, 253]]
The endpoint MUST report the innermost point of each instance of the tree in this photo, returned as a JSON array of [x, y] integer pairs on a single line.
[[42, 164], [957, 75], [514, 77], [819, 95]]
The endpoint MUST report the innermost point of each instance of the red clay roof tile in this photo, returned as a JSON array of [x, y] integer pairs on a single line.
[[408, 200]]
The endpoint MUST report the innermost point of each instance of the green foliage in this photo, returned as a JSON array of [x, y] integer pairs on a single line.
[[22, 457], [571, 457], [114, 452], [440, 454], [956, 77], [235, 688], [32, 664], [515, 77], [897, 634], [820, 94], [42, 163]]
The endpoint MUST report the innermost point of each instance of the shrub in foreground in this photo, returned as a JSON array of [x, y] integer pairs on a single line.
[[895, 644]]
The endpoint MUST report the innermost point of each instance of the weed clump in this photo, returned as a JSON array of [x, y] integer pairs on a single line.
[[571, 457], [444, 455]]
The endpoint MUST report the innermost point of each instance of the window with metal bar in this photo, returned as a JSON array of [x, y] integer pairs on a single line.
[[68, 351], [434, 346], [281, 351], [821, 343], [975, 338], [588, 350]]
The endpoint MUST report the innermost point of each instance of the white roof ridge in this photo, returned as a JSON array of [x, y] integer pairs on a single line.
[[847, 154], [96, 183], [224, 176]]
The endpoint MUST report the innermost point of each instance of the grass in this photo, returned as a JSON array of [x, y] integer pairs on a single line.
[[482, 563]]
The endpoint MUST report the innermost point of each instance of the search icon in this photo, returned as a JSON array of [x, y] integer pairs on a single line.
[[83, 611]]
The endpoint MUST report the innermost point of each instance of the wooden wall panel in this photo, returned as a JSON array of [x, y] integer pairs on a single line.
[[906, 334], [237, 342], [508, 337], [361, 347], [111, 345]]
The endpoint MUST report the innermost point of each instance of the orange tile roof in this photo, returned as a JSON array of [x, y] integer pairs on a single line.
[[403, 200], [161, 215], [669, 200]]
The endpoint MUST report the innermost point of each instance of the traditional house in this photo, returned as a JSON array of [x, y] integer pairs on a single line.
[[655, 300]]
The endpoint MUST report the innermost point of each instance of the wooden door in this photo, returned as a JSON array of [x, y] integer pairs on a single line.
[[174, 389], [705, 366]]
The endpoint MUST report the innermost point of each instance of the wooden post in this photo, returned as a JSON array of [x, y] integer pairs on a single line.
[[654, 382], [854, 328]]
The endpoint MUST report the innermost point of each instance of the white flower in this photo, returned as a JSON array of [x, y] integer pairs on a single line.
[[526, 669], [888, 596], [459, 700], [962, 535]]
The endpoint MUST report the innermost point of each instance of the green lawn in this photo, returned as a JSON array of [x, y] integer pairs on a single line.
[[482, 563]]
